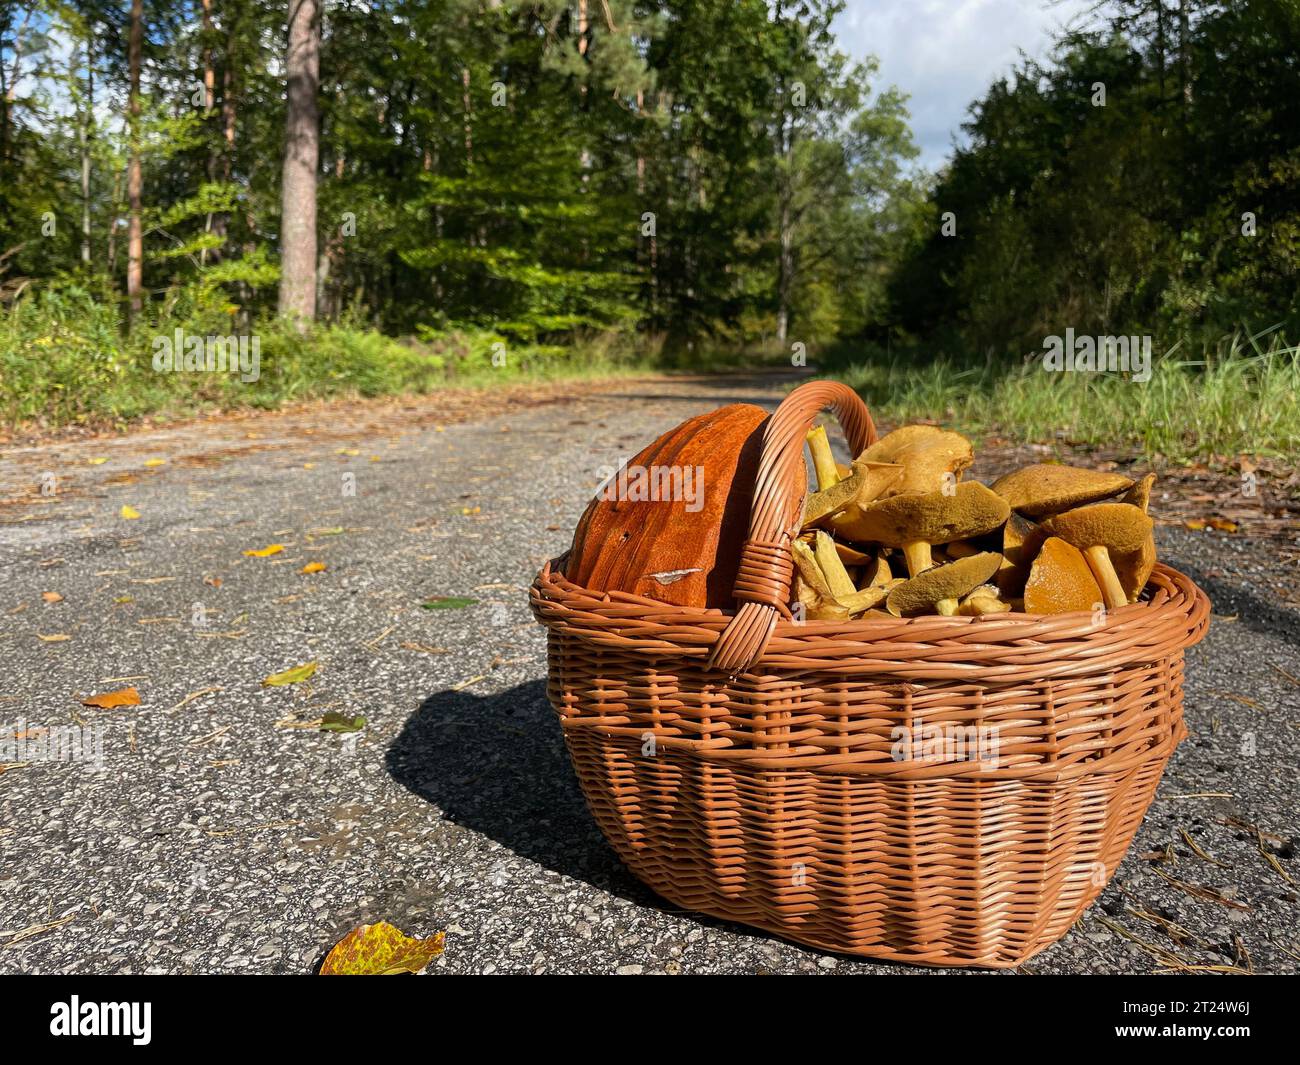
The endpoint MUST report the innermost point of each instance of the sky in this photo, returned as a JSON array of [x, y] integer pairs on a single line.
[[945, 53]]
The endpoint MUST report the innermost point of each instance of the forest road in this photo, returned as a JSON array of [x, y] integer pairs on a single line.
[[215, 828]]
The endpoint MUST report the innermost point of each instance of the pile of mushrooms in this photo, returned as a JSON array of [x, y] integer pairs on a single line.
[[898, 532]]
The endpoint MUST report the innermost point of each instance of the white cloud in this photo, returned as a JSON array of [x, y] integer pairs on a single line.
[[945, 53]]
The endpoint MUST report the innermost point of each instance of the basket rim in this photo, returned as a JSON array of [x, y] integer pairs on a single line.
[[978, 650]]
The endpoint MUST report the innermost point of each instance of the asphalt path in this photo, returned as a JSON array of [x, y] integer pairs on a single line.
[[216, 828]]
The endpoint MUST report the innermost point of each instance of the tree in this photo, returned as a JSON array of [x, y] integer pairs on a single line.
[[301, 158], [134, 175]]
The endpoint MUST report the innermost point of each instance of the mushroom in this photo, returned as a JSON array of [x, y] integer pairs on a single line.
[[982, 600], [927, 453], [940, 588], [1021, 541], [1048, 488], [918, 520], [1140, 494], [865, 482], [1060, 580], [824, 465], [828, 561], [876, 573], [1099, 529], [1134, 567]]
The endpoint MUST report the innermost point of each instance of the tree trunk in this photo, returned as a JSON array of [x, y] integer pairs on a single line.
[[88, 109], [301, 158], [134, 181], [209, 94]]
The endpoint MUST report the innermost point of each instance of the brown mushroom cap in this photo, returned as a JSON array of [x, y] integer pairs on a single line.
[[926, 453], [864, 483], [1021, 541], [924, 593], [1134, 567], [1060, 580], [930, 517], [1048, 488], [1140, 494], [1118, 527]]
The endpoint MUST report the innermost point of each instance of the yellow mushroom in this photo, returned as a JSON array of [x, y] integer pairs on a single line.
[[1097, 531], [939, 589], [917, 521], [1060, 580], [1049, 488], [932, 457]]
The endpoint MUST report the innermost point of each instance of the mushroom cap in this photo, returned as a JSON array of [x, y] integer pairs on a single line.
[[1133, 568], [1060, 580], [1021, 541], [863, 484], [1118, 527], [951, 581], [930, 517], [1048, 488], [1140, 494], [926, 452]]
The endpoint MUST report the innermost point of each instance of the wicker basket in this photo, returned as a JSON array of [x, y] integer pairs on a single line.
[[749, 767]]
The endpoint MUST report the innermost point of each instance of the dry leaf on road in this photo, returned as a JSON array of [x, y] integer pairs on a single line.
[[110, 700], [380, 950], [291, 676], [265, 552]]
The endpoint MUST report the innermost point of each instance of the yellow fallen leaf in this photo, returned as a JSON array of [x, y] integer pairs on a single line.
[[1223, 525], [380, 950], [109, 700], [313, 567], [471, 510], [290, 676], [56, 637], [129, 511], [264, 552], [52, 597], [155, 462], [125, 599], [98, 461], [348, 451], [309, 465]]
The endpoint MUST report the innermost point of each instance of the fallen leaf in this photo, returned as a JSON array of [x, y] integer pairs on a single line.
[[129, 511], [52, 597], [337, 722], [57, 637], [448, 602], [110, 700], [155, 462], [313, 567], [125, 599], [471, 510], [215, 582], [265, 552], [290, 676], [1223, 525], [348, 451], [380, 950]]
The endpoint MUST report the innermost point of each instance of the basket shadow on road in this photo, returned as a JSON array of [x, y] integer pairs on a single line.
[[496, 764]]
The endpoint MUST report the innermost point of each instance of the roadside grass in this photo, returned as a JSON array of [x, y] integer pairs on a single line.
[[66, 360], [1240, 396]]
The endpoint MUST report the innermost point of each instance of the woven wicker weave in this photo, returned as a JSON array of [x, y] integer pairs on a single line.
[[747, 766]]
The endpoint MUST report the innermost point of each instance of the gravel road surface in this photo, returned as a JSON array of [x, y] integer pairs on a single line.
[[214, 828]]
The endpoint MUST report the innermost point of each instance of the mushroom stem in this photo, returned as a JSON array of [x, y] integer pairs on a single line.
[[918, 557], [823, 460], [1112, 592], [837, 577]]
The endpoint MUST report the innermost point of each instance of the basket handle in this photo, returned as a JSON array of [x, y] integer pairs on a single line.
[[766, 562]]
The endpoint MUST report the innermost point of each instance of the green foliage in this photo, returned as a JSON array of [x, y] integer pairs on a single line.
[[1173, 209]]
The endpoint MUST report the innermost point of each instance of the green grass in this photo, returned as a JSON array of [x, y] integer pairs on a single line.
[[1240, 397], [66, 359]]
